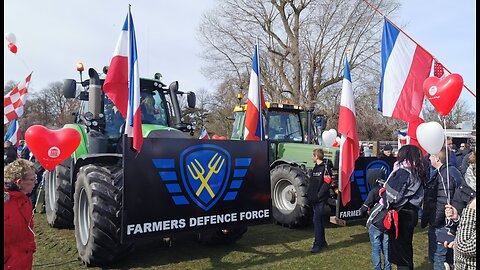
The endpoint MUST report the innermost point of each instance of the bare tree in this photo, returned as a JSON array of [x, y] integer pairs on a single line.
[[303, 43], [48, 108]]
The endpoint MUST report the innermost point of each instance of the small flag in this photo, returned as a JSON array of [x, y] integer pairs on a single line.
[[14, 101], [438, 70], [204, 134], [13, 134]]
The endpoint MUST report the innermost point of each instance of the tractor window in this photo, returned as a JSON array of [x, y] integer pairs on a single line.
[[113, 119], [284, 126], [153, 109], [238, 126]]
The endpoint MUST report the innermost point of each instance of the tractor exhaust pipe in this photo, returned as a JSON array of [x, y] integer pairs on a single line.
[[94, 93]]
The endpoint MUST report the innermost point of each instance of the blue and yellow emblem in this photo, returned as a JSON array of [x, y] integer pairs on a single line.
[[205, 173]]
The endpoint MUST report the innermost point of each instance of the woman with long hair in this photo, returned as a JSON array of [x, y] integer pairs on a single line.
[[404, 196]]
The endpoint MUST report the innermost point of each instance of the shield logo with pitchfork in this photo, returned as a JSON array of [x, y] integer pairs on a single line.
[[205, 173]]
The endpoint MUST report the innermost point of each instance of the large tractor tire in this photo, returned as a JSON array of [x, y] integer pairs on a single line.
[[97, 214], [290, 206], [58, 197], [225, 236]]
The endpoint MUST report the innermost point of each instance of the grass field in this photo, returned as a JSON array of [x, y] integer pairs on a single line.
[[262, 247]]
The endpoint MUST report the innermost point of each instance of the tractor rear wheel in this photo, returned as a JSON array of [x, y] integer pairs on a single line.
[[58, 197], [97, 214], [290, 206]]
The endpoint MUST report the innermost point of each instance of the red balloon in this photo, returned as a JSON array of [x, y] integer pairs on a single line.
[[222, 138], [51, 147], [443, 93], [215, 137], [12, 47]]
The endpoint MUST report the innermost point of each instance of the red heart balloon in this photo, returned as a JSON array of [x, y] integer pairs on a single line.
[[215, 137], [443, 93], [12, 47], [51, 147]]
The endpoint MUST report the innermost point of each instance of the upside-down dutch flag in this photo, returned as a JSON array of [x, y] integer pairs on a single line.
[[254, 127], [204, 134], [405, 65], [347, 126], [14, 101], [122, 84], [13, 133]]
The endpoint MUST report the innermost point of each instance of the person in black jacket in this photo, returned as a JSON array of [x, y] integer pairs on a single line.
[[439, 191], [9, 152], [317, 194]]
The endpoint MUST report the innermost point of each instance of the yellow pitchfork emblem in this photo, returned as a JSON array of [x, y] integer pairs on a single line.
[[213, 167]]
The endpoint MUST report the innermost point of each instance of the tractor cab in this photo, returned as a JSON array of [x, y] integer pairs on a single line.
[[103, 121]]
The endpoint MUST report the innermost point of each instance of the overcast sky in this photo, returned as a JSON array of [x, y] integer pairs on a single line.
[[53, 35]]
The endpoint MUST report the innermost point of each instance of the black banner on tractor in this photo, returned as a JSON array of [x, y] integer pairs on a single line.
[[182, 185], [360, 187]]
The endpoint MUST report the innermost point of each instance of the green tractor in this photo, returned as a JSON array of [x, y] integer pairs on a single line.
[[85, 191], [176, 185], [292, 132]]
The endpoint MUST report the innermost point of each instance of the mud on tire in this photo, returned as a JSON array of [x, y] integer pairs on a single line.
[[58, 197], [290, 206], [97, 210]]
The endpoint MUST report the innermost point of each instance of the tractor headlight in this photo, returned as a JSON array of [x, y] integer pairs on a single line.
[[88, 116], [94, 123]]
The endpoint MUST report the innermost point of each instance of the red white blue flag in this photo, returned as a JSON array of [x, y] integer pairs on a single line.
[[204, 134], [254, 127], [405, 65], [122, 84], [347, 126], [14, 101], [13, 133]]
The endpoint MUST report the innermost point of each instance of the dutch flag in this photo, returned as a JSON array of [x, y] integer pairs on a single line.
[[122, 84], [254, 127]]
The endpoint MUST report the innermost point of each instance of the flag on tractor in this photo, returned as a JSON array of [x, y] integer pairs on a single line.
[[347, 126], [204, 134], [122, 84], [254, 126], [14, 101]]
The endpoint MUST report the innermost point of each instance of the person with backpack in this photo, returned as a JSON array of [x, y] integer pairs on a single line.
[[439, 192], [403, 197], [317, 194], [377, 233]]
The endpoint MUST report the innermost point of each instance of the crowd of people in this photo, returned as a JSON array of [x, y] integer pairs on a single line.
[[439, 190]]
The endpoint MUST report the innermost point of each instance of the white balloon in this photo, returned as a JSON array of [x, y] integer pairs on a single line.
[[431, 137], [10, 37], [334, 132], [328, 137]]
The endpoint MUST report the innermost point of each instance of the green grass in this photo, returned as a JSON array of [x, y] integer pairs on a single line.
[[262, 247]]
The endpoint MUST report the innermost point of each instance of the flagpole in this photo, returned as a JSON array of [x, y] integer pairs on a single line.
[[414, 41], [262, 135]]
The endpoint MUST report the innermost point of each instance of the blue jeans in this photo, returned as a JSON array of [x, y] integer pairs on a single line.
[[379, 241], [318, 227], [437, 253]]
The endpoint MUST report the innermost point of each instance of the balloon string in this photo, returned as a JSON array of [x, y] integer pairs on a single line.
[[23, 62], [447, 154]]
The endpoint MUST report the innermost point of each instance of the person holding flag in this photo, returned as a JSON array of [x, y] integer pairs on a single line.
[[347, 126]]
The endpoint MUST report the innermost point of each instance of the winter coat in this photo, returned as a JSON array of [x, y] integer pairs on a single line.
[[10, 154], [438, 190], [465, 248], [318, 189], [18, 237], [401, 188]]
